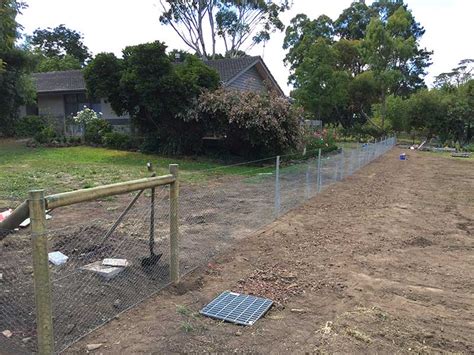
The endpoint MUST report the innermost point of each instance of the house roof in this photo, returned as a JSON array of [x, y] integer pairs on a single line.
[[56, 81], [229, 69]]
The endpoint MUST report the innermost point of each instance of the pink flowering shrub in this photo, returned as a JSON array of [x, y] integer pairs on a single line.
[[324, 139], [252, 124]]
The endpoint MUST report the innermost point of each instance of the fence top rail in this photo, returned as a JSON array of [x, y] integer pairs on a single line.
[[69, 198], [78, 196]]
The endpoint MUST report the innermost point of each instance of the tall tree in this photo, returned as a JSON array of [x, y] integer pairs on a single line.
[[15, 87], [446, 112], [302, 34], [60, 42], [154, 92], [458, 76], [48, 64], [233, 25], [353, 21], [375, 46]]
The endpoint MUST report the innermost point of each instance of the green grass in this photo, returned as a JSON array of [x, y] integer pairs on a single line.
[[64, 169], [448, 155]]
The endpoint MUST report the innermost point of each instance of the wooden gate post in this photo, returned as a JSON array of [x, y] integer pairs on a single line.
[[174, 229], [39, 239]]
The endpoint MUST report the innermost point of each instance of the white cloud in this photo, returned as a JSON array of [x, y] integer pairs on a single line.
[[110, 25]]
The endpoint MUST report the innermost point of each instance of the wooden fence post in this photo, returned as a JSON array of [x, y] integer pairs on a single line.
[[174, 229], [39, 239]]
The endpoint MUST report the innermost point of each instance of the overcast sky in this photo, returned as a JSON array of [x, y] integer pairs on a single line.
[[110, 25]]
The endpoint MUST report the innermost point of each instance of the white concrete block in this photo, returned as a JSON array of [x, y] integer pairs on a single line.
[[57, 258], [107, 272], [115, 262]]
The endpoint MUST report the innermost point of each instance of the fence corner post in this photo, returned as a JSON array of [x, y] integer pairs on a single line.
[[43, 299], [174, 228]]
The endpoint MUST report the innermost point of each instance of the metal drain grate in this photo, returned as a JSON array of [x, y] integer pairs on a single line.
[[237, 308]]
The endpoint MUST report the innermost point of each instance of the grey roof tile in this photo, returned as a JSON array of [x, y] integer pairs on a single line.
[[68, 80], [228, 68]]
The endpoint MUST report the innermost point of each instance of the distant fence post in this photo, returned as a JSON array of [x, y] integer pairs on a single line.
[[308, 181], [318, 174], [277, 187], [174, 228], [343, 165], [151, 241], [39, 240], [352, 164]]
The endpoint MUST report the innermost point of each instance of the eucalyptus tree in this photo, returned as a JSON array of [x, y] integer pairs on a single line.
[[234, 26]]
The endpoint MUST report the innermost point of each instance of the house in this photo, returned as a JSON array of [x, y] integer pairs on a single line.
[[62, 94]]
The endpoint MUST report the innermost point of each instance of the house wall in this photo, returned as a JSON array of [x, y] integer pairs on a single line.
[[109, 114], [249, 80], [51, 105]]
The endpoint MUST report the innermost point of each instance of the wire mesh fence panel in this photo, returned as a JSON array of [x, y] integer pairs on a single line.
[[213, 217], [17, 300], [110, 267]]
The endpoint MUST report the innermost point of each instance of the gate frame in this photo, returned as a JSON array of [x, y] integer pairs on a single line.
[[37, 206]]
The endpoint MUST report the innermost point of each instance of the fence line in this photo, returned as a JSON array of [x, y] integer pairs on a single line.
[[210, 220]]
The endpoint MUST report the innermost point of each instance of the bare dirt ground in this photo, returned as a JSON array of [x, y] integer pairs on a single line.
[[380, 263]]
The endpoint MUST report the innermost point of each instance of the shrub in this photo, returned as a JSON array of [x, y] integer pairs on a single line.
[[73, 140], [253, 124], [118, 140], [85, 117], [46, 135], [96, 130], [150, 144], [469, 147], [29, 126], [322, 139]]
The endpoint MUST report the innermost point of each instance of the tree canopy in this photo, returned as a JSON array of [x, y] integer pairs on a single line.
[[60, 43], [448, 114], [457, 76], [370, 48], [15, 87], [231, 26], [146, 85]]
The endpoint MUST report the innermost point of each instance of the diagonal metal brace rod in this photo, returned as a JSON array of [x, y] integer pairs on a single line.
[[121, 217]]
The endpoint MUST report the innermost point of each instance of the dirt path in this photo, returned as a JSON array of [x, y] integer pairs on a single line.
[[382, 262]]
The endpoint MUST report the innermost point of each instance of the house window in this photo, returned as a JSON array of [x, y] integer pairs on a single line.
[[76, 102]]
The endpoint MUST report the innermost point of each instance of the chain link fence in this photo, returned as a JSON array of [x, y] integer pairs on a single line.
[[212, 217]]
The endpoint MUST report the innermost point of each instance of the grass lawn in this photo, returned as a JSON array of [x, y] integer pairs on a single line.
[[448, 156], [64, 169]]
